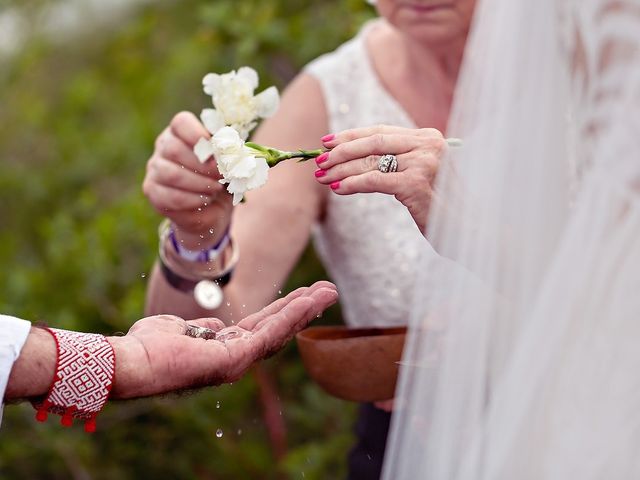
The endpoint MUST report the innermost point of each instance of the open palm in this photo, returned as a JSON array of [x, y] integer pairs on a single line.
[[157, 357]]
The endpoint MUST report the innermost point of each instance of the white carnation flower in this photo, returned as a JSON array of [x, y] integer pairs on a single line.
[[238, 164], [234, 101]]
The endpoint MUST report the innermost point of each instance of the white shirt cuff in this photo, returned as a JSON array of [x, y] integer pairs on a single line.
[[13, 334]]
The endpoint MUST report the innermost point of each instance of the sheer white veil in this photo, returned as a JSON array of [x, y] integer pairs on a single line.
[[523, 350]]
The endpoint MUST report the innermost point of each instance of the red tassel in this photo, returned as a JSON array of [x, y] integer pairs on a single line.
[[90, 425], [67, 419], [41, 415]]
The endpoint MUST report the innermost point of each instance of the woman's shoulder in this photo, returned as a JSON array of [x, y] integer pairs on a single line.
[[343, 60]]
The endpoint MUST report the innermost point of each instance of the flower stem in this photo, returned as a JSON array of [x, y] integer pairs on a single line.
[[274, 156]]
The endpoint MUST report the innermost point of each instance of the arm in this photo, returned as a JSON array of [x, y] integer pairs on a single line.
[[271, 229], [33, 371], [156, 356]]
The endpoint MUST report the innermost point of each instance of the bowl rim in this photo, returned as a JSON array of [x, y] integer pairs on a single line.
[[308, 333]]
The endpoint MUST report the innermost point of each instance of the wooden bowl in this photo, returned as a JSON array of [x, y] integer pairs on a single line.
[[357, 364]]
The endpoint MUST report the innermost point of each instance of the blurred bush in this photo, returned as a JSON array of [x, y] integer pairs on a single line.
[[77, 122]]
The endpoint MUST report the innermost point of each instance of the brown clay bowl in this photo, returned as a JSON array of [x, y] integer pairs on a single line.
[[357, 364]]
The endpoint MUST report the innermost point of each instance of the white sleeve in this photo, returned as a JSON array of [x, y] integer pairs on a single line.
[[13, 334]]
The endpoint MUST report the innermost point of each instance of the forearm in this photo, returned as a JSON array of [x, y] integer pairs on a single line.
[[33, 371], [269, 247], [272, 228], [162, 298]]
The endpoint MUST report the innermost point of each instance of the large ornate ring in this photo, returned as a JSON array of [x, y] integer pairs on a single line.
[[388, 163], [200, 332]]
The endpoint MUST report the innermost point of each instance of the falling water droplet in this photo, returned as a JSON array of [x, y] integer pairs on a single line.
[[239, 431], [219, 433], [218, 404], [143, 275], [279, 292]]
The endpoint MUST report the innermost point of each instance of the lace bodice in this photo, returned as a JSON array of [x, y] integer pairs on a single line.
[[368, 242]]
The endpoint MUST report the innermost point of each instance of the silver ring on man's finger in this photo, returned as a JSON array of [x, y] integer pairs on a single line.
[[200, 332], [388, 163]]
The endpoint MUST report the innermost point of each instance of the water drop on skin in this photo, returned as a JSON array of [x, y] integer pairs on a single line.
[[219, 433], [211, 231]]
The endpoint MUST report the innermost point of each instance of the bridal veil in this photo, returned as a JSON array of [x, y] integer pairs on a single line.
[[524, 348]]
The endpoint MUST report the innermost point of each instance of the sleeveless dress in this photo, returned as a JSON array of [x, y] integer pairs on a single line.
[[368, 243]]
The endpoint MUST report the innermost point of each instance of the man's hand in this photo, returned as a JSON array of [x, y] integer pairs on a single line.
[[157, 357]]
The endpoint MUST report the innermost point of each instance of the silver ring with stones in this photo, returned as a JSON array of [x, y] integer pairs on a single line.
[[388, 163], [194, 331]]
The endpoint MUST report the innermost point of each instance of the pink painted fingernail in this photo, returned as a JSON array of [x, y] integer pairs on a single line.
[[322, 157], [335, 185], [320, 173], [328, 138]]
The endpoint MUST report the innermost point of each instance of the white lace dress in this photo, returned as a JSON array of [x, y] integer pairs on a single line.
[[368, 242]]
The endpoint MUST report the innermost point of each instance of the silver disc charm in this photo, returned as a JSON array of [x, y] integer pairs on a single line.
[[208, 294]]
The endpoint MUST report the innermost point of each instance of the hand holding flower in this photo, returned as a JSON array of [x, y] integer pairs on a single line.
[[185, 190], [352, 164]]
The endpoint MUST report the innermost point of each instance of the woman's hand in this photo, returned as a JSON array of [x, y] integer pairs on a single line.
[[185, 190], [352, 164], [157, 356]]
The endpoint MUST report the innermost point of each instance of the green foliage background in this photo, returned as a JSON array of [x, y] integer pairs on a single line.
[[77, 123]]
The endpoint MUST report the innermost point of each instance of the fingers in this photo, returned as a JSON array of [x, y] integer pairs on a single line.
[[331, 141], [165, 198], [187, 127], [211, 323], [162, 323], [253, 321], [172, 147], [172, 174], [317, 289], [250, 322], [375, 145], [360, 166], [371, 182], [276, 330]]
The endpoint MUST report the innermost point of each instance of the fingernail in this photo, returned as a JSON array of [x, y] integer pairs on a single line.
[[328, 138], [322, 157], [335, 185], [320, 173]]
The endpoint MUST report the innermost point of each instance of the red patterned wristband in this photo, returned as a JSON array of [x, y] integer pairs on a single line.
[[85, 368]]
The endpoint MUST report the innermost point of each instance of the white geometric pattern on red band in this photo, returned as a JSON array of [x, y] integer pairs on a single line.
[[83, 379]]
